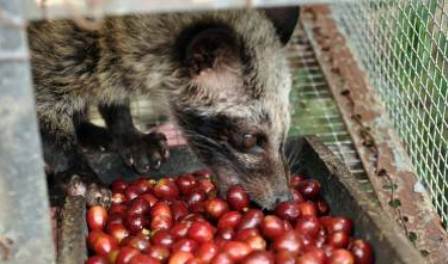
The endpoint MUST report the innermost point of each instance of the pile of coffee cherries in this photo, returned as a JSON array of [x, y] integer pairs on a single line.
[[182, 220]]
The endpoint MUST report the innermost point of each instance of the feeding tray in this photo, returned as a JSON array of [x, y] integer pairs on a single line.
[[342, 192]]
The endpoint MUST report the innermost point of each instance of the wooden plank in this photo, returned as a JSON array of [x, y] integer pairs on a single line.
[[72, 232]]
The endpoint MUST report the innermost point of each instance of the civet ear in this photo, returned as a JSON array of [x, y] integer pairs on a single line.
[[284, 19], [209, 49]]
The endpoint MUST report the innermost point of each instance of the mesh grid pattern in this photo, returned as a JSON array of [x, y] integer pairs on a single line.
[[314, 111], [403, 46]]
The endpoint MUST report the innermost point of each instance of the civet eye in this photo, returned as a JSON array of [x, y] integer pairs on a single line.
[[249, 141]]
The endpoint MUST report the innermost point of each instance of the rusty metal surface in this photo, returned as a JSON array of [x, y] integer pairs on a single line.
[[380, 149], [25, 230]]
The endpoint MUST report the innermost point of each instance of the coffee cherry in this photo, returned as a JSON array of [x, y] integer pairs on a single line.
[[289, 241], [295, 180], [163, 238], [251, 219], [158, 252], [226, 233], [180, 257], [201, 232], [115, 219], [195, 200], [272, 226], [112, 256], [186, 183], [285, 257], [138, 206], [185, 244], [161, 222], [338, 239], [216, 207], [101, 243], [206, 185], [179, 210], [308, 225], [150, 198], [161, 208], [166, 189], [256, 243], [229, 220], [142, 185], [312, 257], [237, 198], [236, 250], [335, 224], [180, 230], [118, 186], [307, 208], [206, 252], [135, 223], [96, 217], [143, 259], [118, 231], [222, 258], [244, 234], [118, 198], [97, 260], [362, 251], [288, 210], [118, 209], [132, 192], [181, 221], [310, 189], [194, 261], [297, 196], [259, 257], [341, 256]]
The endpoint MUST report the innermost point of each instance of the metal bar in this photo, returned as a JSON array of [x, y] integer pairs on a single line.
[[25, 230], [381, 152], [40, 9]]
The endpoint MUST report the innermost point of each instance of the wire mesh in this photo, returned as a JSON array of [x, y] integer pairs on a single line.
[[314, 110], [403, 46]]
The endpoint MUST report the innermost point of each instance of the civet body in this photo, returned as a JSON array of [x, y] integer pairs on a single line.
[[222, 77]]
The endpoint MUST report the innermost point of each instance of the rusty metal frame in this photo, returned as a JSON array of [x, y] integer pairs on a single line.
[[380, 149]]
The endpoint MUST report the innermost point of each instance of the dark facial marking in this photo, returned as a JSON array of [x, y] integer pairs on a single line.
[[225, 135], [201, 45]]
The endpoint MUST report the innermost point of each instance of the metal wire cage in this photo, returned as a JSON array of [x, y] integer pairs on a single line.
[[403, 46]]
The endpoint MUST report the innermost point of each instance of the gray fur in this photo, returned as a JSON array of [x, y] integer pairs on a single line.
[[132, 56]]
